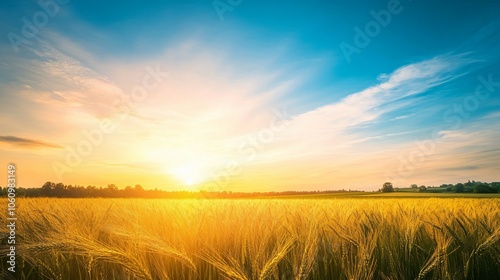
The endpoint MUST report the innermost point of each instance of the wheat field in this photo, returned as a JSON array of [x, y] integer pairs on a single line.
[[413, 238]]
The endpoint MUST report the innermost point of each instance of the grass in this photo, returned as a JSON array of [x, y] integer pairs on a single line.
[[348, 238], [404, 194], [436, 195]]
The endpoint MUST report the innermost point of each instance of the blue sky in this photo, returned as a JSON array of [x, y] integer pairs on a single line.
[[354, 119]]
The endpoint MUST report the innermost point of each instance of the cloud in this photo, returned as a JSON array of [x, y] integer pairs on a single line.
[[27, 143], [401, 117], [460, 168], [367, 104], [457, 155], [334, 127], [62, 80]]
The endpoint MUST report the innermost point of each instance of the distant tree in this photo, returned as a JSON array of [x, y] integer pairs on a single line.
[[459, 188], [470, 184], [483, 188], [422, 188], [443, 186], [414, 186], [48, 186], [387, 187], [139, 188], [496, 186]]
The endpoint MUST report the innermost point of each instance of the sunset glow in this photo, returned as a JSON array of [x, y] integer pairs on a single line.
[[193, 100], [189, 174]]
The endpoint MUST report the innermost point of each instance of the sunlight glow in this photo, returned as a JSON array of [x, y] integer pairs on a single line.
[[190, 174]]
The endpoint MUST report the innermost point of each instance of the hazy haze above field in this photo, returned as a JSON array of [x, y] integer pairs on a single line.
[[260, 97]]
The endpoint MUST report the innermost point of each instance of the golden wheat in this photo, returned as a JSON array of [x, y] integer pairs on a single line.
[[249, 239]]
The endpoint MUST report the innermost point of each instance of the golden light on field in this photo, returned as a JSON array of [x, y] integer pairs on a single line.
[[310, 239]]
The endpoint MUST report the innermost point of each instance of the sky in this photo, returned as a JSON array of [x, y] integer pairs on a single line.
[[237, 95]]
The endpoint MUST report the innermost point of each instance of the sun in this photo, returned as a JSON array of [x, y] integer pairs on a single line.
[[189, 174]]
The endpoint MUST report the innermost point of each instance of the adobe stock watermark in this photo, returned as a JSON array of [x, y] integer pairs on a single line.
[[11, 218], [455, 115], [223, 6], [250, 147], [31, 28], [121, 106], [363, 37]]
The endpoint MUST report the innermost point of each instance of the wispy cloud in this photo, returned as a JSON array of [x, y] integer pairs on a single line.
[[27, 143], [331, 127], [456, 155]]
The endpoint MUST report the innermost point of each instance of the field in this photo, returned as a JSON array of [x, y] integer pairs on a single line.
[[321, 238]]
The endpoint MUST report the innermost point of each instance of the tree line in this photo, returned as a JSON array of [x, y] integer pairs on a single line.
[[467, 187], [51, 189]]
